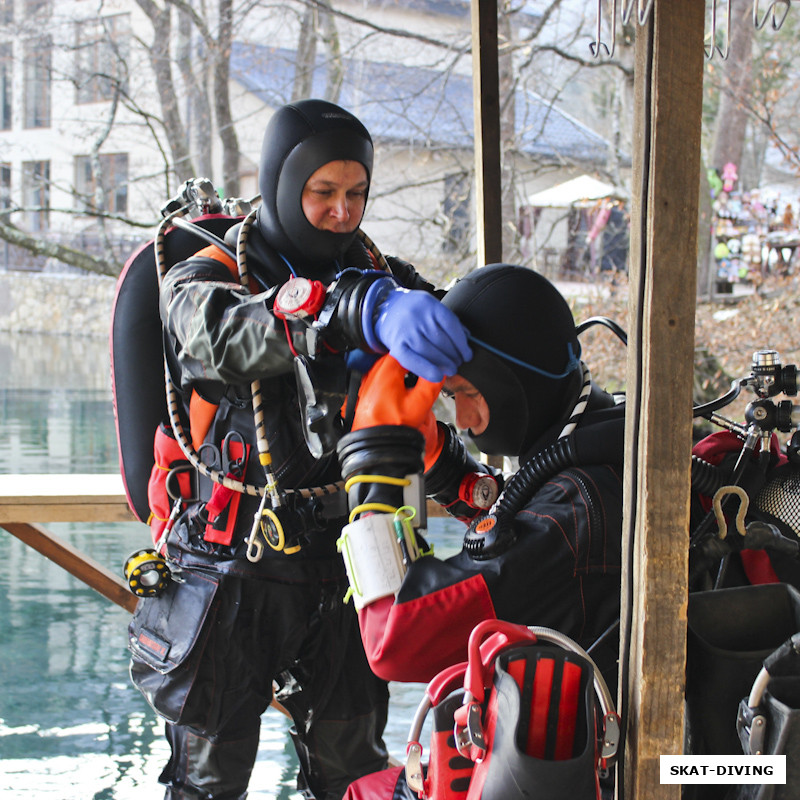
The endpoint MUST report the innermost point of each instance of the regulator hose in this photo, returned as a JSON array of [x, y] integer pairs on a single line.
[[535, 473], [706, 477], [603, 443]]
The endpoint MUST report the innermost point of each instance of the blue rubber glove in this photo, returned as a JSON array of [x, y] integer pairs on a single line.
[[415, 328]]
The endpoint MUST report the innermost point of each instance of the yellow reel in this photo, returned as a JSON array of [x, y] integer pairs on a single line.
[[146, 572]]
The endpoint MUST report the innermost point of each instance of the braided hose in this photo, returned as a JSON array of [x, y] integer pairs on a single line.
[[580, 403], [373, 248], [544, 465], [172, 395], [264, 456]]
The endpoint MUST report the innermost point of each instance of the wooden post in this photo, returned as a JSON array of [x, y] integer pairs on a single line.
[[668, 98], [486, 112]]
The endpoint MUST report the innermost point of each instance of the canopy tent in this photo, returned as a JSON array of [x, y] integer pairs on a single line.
[[584, 187]]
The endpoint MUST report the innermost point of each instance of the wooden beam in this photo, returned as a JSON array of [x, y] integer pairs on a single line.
[[666, 179], [486, 113], [75, 562]]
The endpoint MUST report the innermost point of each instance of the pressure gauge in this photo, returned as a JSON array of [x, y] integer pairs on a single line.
[[478, 489], [299, 298]]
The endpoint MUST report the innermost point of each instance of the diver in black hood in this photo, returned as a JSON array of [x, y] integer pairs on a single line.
[[263, 588], [300, 139], [543, 545], [526, 355]]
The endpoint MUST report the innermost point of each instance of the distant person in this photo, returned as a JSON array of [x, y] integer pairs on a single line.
[[787, 220], [615, 240]]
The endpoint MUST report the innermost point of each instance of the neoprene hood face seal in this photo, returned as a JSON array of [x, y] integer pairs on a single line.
[[299, 139], [520, 313]]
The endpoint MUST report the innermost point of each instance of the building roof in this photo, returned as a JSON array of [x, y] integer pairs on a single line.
[[450, 8], [523, 15], [416, 106]]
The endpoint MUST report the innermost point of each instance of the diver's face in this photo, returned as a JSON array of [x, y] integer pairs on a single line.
[[335, 195], [472, 410]]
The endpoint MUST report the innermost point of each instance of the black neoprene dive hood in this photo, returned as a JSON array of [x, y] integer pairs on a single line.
[[521, 314], [299, 139]]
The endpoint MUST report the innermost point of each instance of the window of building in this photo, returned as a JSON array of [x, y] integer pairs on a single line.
[[457, 189], [5, 189], [107, 192], [37, 82], [36, 194], [6, 83], [101, 49], [6, 12]]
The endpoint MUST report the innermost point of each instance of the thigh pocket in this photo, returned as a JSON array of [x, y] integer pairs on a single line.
[[172, 647]]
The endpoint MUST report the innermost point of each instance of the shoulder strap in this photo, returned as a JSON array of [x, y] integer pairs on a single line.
[[218, 254]]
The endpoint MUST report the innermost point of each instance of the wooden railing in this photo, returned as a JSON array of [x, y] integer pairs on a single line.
[[26, 501]]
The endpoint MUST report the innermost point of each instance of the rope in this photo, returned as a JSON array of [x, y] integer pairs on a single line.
[[262, 443]]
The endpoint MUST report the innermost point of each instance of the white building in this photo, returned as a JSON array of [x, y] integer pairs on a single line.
[[79, 98]]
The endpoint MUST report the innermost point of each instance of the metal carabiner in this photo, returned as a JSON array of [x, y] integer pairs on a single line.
[[173, 486], [255, 548]]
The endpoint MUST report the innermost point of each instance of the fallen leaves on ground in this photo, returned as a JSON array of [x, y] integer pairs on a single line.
[[727, 333]]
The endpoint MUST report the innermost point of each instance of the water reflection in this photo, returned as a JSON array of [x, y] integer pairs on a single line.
[[72, 727]]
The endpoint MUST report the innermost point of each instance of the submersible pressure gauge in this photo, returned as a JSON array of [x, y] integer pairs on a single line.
[[146, 572]]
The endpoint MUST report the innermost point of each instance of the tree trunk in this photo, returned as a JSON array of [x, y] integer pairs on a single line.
[[162, 68], [330, 36], [194, 73], [222, 102], [306, 55], [735, 74], [508, 133]]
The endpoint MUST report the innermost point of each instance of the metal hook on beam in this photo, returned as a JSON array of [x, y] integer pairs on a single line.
[[598, 43], [643, 8], [644, 11], [772, 13], [715, 48]]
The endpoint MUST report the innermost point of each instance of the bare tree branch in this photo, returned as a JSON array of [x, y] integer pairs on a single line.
[[67, 255]]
